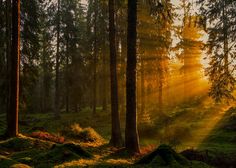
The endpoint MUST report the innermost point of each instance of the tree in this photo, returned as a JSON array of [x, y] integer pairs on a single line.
[[95, 57], [56, 98], [131, 132], [72, 52], [220, 20], [46, 54], [30, 56], [116, 138], [13, 106]]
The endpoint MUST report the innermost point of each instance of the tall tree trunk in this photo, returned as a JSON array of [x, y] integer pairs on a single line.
[[160, 96], [104, 79], [8, 48], [142, 96], [131, 132], [95, 60], [12, 114], [43, 93], [67, 75], [226, 45], [122, 80], [160, 87], [116, 138], [56, 98]]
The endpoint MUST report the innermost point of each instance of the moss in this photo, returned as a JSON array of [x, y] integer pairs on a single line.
[[164, 155], [24, 143], [82, 134], [61, 153], [17, 144], [26, 157], [6, 162]]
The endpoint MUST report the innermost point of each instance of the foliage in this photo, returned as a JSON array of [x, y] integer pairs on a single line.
[[220, 18]]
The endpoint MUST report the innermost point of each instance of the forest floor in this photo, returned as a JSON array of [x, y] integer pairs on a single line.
[[206, 136]]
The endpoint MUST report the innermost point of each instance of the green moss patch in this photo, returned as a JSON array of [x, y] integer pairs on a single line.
[[6, 162], [23, 143], [60, 153], [165, 156]]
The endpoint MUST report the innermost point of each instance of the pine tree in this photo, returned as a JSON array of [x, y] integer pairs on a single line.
[[220, 18], [30, 55]]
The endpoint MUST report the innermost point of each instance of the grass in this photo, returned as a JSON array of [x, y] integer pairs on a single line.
[[179, 129]]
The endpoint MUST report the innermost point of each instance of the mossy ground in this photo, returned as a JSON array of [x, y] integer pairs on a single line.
[[179, 129]]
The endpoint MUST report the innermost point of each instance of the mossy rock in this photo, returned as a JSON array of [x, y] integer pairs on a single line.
[[6, 162], [24, 143], [164, 155], [60, 153], [17, 144]]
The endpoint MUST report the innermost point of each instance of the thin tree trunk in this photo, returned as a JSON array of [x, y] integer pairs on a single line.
[[67, 75], [95, 60], [123, 81], [160, 97], [56, 98], [116, 138], [8, 48], [142, 96], [12, 114], [104, 79], [131, 132], [226, 45]]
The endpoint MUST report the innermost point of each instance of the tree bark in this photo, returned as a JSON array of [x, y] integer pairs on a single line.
[[116, 138], [142, 90], [56, 111], [104, 79], [131, 132], [95, 60], [67, 74], [8, 48], [12, 114]]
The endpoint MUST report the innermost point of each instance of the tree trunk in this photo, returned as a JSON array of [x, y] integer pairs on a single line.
[[123, 76], [67, 75], [104, 79], [142, 96], [226, 45], [131, 132], [95, 61], [56, 111], [116, 138], [12, 114], [8, 48]]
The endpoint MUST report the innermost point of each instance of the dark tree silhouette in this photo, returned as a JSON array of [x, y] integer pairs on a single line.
[[12, 114], [131, 132], [116, 139], [56, 111]]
